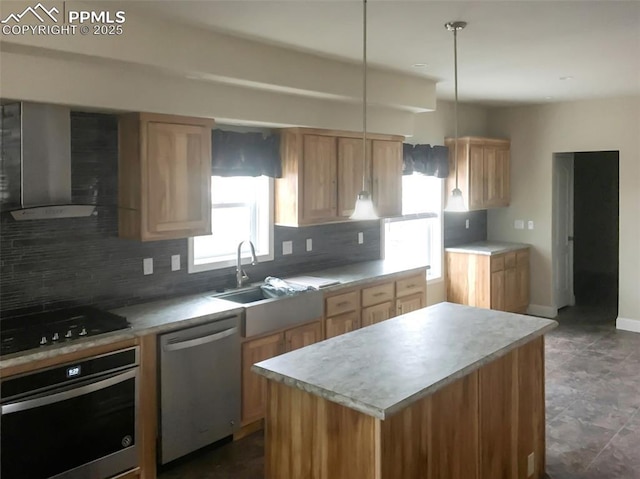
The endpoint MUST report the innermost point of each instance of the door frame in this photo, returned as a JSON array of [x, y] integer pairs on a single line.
[[562, 204]]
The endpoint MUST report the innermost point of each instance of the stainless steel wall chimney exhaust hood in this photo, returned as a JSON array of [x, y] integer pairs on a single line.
[[40, 188]]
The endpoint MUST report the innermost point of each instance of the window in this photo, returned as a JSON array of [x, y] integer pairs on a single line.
[[418, 233], [241, 209]]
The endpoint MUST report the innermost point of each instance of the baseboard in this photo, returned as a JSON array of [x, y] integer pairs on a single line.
[[626, 324], [542, 311]]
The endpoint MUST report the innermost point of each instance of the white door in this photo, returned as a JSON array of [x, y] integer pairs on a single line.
[[563, 229]]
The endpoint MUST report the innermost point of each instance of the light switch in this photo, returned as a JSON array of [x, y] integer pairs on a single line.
[[175, 262], [530, 225], [518, 224], [309, 244], [360, 237], [466, 223], [147, 266], [287, 247]]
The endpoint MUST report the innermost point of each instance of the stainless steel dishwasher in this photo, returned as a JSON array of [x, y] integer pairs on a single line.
[[199, 386]]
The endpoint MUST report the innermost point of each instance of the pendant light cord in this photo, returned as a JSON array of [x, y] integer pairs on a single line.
[[364, 95], [455, 103]]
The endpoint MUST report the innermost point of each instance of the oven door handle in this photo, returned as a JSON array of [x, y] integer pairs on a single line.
[[68, 394], [190, 343]]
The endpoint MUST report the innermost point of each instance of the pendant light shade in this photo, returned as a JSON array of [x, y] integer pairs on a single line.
[[364, 209], [455, 202]]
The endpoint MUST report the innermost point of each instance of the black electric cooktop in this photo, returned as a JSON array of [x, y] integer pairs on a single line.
[[33, 331]]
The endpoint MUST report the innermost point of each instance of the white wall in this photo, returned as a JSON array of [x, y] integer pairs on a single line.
[[433, 128], [162, 66], [536, 133]]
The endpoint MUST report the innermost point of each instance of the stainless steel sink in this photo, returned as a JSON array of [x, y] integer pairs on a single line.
[[244, 297], [263, 315]]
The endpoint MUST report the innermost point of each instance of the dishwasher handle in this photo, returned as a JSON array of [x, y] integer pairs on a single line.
[[190, 343]]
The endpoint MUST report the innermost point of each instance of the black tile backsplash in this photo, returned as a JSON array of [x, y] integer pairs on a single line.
[[46, 264], [455, 231]]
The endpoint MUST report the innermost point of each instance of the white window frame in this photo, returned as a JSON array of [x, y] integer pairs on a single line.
[[230, 260], [434, 274]]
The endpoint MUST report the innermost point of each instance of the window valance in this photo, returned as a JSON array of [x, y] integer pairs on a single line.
[[426, 160], [245, 154]]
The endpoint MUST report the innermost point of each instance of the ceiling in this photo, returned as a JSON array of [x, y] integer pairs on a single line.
[[511, 52]]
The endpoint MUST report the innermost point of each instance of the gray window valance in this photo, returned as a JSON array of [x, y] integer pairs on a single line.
[[245, 154], [426, 160]]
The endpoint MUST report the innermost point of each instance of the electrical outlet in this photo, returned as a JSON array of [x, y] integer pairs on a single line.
[[147, 266], [309, 244], [466, 223], [530, 225], [287, 247], [531, 464], [175, 262], [360, 237], [518, 224]]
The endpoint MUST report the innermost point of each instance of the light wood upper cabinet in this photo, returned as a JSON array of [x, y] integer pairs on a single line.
[[350, 171], [319, 186], [322, 172], [483, 171], [164, 176], [387, 177]]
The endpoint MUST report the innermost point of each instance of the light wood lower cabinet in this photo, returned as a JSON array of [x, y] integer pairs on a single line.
[[407, 304], [253, 386], [302, 336], [266, 347], [498, 282], [344, 323], [375, 314]]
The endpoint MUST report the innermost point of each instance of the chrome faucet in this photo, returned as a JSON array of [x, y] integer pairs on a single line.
[[241, 276]]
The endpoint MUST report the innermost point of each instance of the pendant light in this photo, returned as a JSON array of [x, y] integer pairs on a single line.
[[364, 209], [456, 201]]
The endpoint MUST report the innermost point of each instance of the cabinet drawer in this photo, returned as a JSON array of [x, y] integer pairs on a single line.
[[377, 294], [342, 303], [497, 263], [522, 257], [510, 260], [411, 285]]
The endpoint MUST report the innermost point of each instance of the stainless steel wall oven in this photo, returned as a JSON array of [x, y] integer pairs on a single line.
[[71, 421]]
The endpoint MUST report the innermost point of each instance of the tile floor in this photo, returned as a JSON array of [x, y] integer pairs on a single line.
[[593, 408]]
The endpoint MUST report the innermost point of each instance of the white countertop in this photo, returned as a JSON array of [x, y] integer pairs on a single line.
[[381, 369], [185, 311], [487, 247]]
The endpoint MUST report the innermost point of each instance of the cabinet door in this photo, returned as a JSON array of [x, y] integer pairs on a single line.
[[476, 177], [377, 313], [497, 290], [302, 336], [510, 290], [337, 325], [496, 177], [350, 172], [176, 181], [410, 303], [387, 177], [319, 186], [522, 273], [254, 386]]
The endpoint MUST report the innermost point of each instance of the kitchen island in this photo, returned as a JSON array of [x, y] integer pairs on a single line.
[[444, 392]]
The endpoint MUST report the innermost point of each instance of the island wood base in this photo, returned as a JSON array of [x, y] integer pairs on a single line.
[[482, 426]]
